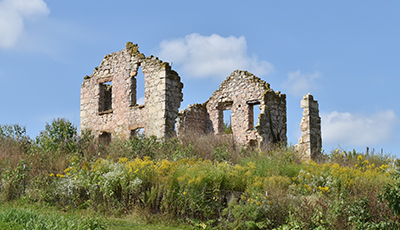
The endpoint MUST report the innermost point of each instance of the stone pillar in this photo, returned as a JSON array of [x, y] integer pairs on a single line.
[[310, 143]]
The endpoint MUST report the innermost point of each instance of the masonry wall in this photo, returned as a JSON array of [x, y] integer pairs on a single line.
[[242, 93], [163, 95], [273, 118], [193, 120], [310, 143]]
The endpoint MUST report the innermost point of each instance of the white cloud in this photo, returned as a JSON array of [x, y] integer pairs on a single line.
[[205, 56], [356, 129], [12, 16], [299, 84]]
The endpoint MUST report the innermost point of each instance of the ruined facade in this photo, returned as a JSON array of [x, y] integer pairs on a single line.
[[241, 93], [310, 142], [109, 105]]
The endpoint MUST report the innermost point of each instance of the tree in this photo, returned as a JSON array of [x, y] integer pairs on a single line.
[[60, 134]]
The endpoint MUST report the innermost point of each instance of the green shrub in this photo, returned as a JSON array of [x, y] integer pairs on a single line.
[[58, 135]]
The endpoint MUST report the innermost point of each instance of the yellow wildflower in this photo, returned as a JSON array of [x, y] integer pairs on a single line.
[[122, 160]]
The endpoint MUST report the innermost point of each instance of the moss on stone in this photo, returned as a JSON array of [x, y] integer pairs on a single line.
[[133, 49]]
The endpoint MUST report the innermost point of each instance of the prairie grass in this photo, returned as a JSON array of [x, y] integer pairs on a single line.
[[202, 181], [22, 218]]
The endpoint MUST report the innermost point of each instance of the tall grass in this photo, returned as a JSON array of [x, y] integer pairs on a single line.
[[206, 181], [13, 218]]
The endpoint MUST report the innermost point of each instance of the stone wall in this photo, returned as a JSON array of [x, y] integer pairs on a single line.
[[109, 105], [310, 143], [273, 118], [241, 93], [193, 120], [109, 96]]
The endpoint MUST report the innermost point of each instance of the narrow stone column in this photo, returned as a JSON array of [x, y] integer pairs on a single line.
[[310, 143]]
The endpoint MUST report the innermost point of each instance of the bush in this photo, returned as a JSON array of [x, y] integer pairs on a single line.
[[59, 135]]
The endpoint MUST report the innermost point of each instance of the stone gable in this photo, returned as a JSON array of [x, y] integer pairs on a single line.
[[109, 96], [241, 93]]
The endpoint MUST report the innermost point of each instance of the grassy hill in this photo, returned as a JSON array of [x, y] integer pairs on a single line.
[[204, 182]]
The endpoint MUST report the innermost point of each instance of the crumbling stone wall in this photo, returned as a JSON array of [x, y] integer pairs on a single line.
[[109, 96], [109, 105], [241, 92], [193, 119], [310, 143]]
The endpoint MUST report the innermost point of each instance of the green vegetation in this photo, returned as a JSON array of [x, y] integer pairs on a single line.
[[13, 218], [200, 182], [227, 128]]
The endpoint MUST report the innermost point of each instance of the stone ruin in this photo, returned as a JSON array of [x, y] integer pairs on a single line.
[[240, 93], [109, 105], [310, 142]]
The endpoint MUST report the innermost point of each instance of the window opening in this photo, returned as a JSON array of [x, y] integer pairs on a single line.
[[227, 119], [140, 87], [137, 88], [105, 138], [253, 113], [256, 112], [137, 132], [105, 99]]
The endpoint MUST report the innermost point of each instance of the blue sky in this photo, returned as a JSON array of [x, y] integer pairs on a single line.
[[345, 53]]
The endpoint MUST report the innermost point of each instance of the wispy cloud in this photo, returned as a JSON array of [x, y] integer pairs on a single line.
[[207, 56], [299, 84], [357, 129], [12, 16]]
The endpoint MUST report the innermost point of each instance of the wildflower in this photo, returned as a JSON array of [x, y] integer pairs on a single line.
[[323, 189], [122, 160], [359, 158], [51, 174], [86, 166]]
